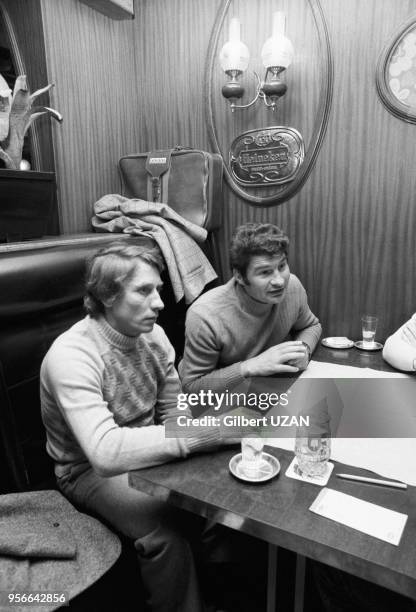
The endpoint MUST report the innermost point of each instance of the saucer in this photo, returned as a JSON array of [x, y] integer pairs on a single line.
[[269, 467], [376, 346], [337, 342]]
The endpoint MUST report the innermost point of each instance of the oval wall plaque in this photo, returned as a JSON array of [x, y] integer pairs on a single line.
[[270, 156], [396, 73], [312, 71]]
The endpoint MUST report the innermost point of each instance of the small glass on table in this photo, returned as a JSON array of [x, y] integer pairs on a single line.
[[313, 441], [369, 326], [252, 464], [251, 453], [312, 454]]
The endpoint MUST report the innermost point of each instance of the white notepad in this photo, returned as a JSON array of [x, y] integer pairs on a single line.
[[364, 516]]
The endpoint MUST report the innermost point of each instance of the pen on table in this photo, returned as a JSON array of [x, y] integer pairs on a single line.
[[378, 481]]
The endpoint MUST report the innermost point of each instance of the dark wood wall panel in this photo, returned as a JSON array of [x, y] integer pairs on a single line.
[[126, 86], [367, 182], [172, 40], [92, 60]]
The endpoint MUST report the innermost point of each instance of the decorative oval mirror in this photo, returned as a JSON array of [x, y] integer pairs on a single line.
[[12, 65], [268, 131], [396, 73]]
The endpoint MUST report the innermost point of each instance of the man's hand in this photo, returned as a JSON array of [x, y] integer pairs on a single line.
[[302, 364], [284, 357]]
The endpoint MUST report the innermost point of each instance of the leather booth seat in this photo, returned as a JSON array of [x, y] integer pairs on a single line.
[[41, 289]]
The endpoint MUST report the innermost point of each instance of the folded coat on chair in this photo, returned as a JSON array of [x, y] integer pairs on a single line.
[[188, 268], [47, 545]]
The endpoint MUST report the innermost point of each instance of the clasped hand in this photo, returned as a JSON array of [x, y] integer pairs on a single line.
[[285, 357]]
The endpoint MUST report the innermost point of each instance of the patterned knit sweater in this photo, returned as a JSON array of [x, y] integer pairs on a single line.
[[225, 326], [106, 397], [400, 348]]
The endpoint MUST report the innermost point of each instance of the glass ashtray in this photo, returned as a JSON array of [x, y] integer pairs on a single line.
[[337, 342]]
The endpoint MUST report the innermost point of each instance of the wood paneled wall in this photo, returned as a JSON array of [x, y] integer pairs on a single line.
[[130, 86], [92, 60]]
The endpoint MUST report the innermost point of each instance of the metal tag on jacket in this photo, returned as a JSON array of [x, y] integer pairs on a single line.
[[270, 156]]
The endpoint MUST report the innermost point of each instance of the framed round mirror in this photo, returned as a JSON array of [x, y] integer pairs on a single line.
[[396, 73]]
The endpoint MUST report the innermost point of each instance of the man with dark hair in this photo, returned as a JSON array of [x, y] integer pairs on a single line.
[[108, 388], [257, 324]]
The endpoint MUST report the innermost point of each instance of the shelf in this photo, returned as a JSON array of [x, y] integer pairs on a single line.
[[115, 9]]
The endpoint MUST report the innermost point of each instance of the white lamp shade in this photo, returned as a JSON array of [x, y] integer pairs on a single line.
[[277, 51], [234, 56]]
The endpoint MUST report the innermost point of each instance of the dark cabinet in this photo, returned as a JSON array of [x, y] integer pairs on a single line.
[[28, 205]]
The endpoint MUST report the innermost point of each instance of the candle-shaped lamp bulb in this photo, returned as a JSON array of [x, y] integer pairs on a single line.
[[234, 55], [279, 24], [234, 31], [277, 51]]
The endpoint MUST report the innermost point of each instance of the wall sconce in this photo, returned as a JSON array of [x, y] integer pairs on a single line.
[[276, 54]]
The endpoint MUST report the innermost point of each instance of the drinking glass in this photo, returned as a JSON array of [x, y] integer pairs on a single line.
[[369, 326], [312, 454], [313, 441], [251, 453]]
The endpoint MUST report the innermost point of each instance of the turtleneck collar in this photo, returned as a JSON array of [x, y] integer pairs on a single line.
[[249, 304], [114, 337]]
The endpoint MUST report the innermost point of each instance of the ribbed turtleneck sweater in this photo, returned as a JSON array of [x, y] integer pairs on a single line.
[[226, 326], [106, 398]]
